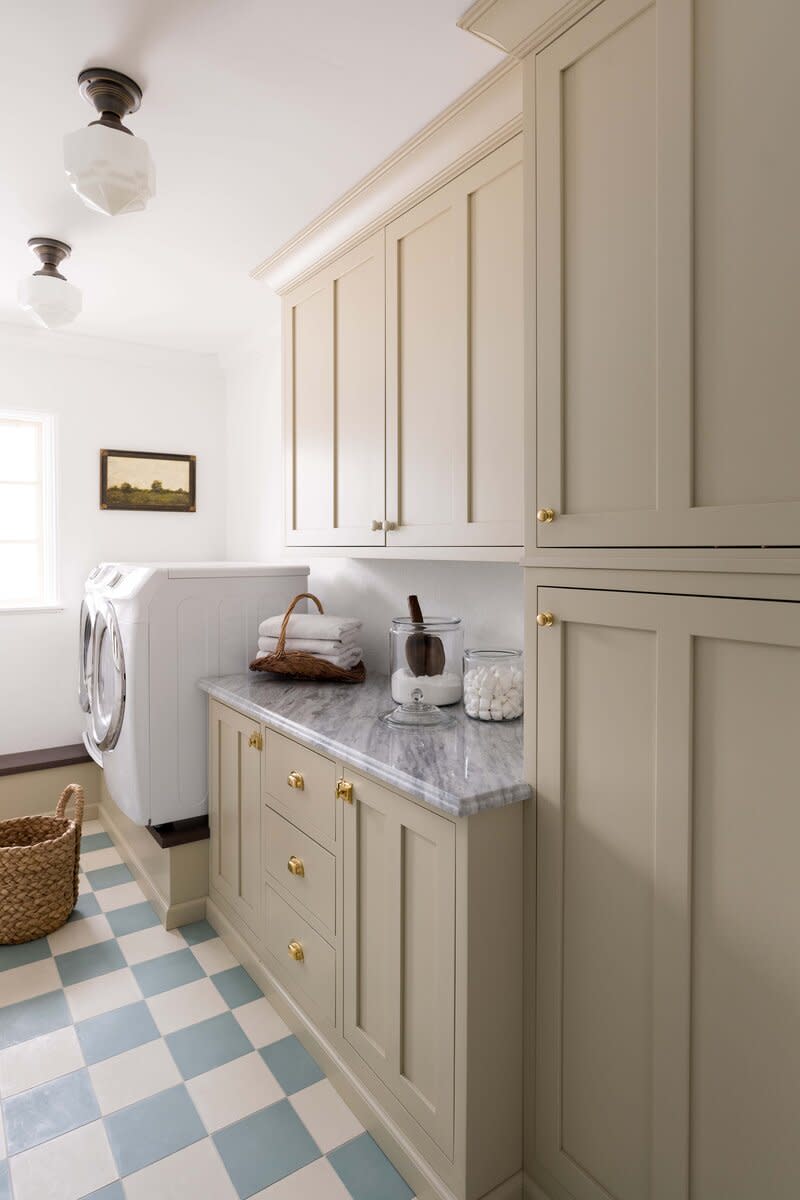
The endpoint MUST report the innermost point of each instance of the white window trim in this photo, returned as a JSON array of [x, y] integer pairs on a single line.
[[50, 601]]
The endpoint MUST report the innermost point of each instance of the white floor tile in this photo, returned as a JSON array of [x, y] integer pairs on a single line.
[[76, 934], [261, 1023], [325, 1115], [90, 827], [83, 885], [39, 1060], [65, 1168], [214, 956], [93, 860], [233, 1091], [186, 1005], [131, 1076], [101, 994], [120, 896], [195, 1172], [23, 983], [150, 943], [318, 1180]]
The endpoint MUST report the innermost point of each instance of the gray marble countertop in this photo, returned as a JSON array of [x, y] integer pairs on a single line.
[[468, 767]]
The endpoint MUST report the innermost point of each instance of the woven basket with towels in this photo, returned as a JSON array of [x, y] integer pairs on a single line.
[[311, 647]]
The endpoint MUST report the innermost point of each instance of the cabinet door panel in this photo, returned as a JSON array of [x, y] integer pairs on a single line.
[[454, 338], [666, 738], [334, 397], [399, 951], [235, 811]]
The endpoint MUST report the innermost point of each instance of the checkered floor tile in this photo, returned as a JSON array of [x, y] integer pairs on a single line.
[[142, 1064]]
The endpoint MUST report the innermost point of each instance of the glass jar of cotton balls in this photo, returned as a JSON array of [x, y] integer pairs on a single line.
[[493, 684]]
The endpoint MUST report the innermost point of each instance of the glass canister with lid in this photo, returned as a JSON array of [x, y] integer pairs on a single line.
[[427, 656], [493, 684]]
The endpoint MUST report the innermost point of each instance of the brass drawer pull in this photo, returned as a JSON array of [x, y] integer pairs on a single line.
[[344, 790], [296, 780], [296, 951], [296, 865], [255, 741], [545, 516]]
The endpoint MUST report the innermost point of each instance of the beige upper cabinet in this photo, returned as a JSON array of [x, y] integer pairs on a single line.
[[454, 343], [666, 276], [399, 951], [667, 932], [334, 403], [234, 810]]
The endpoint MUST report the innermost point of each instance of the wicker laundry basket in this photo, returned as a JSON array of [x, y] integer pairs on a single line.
[[39, 861], [298, 663]]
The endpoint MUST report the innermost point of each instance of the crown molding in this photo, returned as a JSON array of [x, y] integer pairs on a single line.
[[522, 26], [482, 118], [76, 345]]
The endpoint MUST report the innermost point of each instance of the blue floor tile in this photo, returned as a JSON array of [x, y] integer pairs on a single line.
[[106, 877], [31, 1018], [291, 1064], [153, 1128], [112, 1033], [208, 1044], [87, 906], [132, 919], [90, 961], [236, 987], [366, 1171], [168, 971], [266, 1147], [198, 931], [49, 1110], [95, 841], [5, 1182], [112, 1192], [20, 956]]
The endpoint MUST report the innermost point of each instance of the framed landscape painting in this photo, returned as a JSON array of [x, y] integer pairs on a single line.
[[147, 482]]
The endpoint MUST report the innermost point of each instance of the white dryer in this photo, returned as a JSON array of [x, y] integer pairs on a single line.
[[148, 632]]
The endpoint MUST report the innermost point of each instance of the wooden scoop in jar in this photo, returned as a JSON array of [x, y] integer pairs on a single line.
[[424, 651]]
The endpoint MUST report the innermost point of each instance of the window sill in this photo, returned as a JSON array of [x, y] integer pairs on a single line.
[[12, 609]]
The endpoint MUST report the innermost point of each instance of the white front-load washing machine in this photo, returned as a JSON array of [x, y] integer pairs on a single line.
[[148, 633]]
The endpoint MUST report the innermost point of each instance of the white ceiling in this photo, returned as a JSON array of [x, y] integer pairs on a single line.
[[258, 114]]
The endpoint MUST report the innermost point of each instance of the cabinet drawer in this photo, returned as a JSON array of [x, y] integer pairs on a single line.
[[313, 879], [303, 783], [312, 978]]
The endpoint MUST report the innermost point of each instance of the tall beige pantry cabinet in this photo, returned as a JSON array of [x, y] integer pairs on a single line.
[[662, 595]]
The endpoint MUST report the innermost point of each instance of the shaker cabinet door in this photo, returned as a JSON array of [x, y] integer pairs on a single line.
[[234, 803], [667, 276], [334, 403], [454, 351], [399, 951], [668, 923]]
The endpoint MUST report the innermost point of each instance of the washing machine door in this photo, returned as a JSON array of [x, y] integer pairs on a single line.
[[85, 638], [108, 685]]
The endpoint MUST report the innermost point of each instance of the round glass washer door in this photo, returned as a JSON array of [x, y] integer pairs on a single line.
[[108, 678], [85, 635]]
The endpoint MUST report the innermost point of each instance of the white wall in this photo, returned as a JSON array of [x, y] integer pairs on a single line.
[[116, 396], [488, 596]]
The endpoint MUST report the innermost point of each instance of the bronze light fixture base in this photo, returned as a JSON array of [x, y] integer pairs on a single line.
[[51, 253], [113, 94]]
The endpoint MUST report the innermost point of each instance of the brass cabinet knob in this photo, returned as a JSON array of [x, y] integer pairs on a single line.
[[545, 515], [255, 741], [545, 619], [376, 525], [296, 951], [296, 865], [344, 790], [296, 780]]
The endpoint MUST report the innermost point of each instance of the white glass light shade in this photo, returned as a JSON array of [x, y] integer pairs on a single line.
[[52, 301], [111, 171]]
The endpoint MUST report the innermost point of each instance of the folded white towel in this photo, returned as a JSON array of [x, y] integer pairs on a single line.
[[311, 645], [346, 658], [319, 626]]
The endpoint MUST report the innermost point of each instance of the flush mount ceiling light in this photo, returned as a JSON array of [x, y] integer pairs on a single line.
[[46, 294], [109, 168]]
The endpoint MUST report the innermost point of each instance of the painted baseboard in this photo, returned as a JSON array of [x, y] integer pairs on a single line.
[[170, 915]]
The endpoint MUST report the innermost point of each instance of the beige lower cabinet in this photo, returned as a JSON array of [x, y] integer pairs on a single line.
[[668, 923], [234, 804]]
